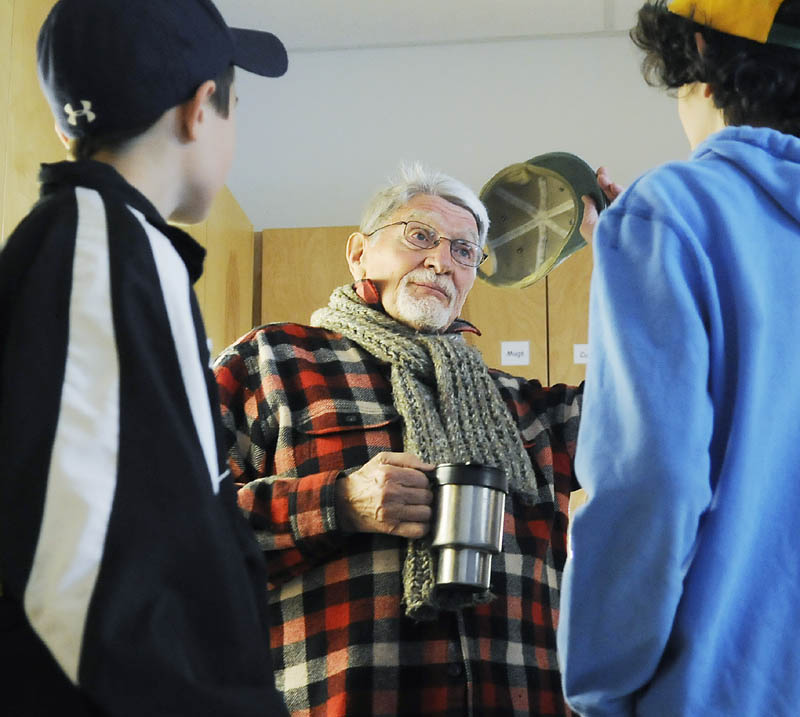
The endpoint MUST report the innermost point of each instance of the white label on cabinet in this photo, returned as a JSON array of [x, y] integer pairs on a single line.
[[515, 353], [580, 353]]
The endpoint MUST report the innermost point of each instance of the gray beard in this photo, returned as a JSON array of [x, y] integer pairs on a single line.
[[425, 314]]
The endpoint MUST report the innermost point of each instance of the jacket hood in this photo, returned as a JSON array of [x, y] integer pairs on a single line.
[[774, 166]]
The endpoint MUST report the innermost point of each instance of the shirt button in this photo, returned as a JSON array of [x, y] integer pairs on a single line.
[[351, 418]]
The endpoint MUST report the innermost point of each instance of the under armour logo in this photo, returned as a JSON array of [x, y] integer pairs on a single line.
[[85, 112]]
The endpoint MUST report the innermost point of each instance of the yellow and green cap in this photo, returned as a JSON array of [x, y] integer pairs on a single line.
[[775, 22]]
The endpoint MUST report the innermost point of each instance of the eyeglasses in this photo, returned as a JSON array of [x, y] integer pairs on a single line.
[[422, 236]]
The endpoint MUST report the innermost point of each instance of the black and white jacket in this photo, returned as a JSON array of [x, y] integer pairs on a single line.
[[131, 584]]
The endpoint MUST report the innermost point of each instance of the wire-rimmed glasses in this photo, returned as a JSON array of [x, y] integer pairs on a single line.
[[422, 236]]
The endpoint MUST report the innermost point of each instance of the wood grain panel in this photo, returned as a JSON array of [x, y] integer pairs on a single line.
[[228, 284], [29, 132], [568, 292], [510, 315], [299, 270], [6, 27]]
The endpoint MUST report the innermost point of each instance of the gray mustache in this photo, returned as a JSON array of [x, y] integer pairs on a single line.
[[441, 282]]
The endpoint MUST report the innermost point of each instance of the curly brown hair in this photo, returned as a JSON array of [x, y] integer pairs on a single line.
[[752, 83]]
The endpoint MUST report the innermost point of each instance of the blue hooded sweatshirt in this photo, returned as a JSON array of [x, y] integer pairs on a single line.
[[682, 594]]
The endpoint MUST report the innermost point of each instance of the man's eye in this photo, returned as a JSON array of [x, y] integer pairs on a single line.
[[464, 249], [419, 236]]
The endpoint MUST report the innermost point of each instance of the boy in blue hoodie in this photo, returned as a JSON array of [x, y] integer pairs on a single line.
[[681, 596]]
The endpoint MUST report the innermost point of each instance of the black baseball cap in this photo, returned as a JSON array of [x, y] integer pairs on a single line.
[[115, 65]]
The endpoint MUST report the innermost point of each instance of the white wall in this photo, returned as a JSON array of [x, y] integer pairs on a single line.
[[316, 143]]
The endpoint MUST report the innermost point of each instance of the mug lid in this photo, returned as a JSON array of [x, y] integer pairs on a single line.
[[470, 474]]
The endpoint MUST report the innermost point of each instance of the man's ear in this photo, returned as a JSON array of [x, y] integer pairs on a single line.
[[700, 43], [62, 136], [191, 114], [66, 140], [356, 246]]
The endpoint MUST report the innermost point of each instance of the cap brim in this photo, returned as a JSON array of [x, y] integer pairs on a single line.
[[575, 172], [259, 52]]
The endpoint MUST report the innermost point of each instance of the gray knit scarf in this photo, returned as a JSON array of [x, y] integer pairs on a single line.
[[452, 413]]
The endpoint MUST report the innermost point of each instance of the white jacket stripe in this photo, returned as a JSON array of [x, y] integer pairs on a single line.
[[176, 291], [83, 467]]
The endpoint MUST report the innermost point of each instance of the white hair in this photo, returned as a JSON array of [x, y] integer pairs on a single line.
[[416, 179]]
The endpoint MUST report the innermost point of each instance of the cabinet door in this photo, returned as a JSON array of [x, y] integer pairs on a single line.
[[568, 316], [27, 125], [568, 308], [225, 290], [6, 27], [299, 270], [228, 291], [510, 315]]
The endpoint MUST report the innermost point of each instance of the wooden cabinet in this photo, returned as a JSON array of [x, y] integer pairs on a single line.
[[26, 124], [6, 35], [551, 314], [225, 291], [299, 270], [568, 316], [568, 292], [510, 315]]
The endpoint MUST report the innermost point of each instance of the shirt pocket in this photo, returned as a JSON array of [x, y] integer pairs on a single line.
[[343, 436]]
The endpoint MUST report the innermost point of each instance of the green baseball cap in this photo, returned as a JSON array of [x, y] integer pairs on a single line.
[[535, 213]]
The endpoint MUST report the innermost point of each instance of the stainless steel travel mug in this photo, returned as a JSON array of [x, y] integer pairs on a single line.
[[468, 523]]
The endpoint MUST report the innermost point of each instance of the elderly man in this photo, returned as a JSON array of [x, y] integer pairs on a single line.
[[333, 427]]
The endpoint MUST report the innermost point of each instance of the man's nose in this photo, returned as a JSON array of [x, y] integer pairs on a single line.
[[439, 258]]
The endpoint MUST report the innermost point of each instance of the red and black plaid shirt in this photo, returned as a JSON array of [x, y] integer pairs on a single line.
[[304, 404]]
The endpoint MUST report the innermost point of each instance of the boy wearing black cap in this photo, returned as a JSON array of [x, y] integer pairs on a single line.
[[681, 597], [130, 583]]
